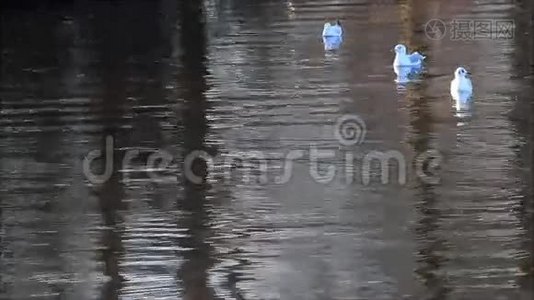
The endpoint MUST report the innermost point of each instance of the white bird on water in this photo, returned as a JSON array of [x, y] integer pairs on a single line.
[[461, 92], [402, 59], [461, 82], [332, 30]]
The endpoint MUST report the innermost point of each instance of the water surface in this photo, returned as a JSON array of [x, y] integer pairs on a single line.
[[255, 79]]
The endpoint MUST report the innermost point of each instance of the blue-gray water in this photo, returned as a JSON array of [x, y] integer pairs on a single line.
[[255, 77]]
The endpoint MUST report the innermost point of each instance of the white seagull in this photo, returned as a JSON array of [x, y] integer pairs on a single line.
[[402, 59], [330, 30], [461, 92], [461, 84]]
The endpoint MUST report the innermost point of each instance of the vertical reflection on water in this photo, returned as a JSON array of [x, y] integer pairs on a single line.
[[528, 208], [53, 49], [2, 230], [428, 241], [3, 244], [39, 60], [198, 257], [413, 19], [521, 116], [113, 53], [110, 197], [528, 201]]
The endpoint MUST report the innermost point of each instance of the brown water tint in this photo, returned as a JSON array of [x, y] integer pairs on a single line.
[[242, 76]]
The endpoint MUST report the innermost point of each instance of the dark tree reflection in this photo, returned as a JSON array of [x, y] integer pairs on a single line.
[[422, 129], [193, 273], [113, 57], [521, 116]]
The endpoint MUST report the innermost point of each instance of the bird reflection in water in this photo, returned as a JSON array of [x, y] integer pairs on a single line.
[[406, 74], [332, 43], [463, 104]]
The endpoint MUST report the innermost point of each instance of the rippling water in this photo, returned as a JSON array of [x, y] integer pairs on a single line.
[[259, 82]]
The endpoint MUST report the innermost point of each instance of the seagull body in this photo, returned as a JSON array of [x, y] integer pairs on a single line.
[[462, 101], [402, 59], [334, 30], [461, 84], [461, 92], [463, 104]]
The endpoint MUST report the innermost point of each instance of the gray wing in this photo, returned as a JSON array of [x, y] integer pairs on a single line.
[[416, 57]]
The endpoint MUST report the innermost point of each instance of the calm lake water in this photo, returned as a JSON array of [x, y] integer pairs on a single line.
[[253, 78]]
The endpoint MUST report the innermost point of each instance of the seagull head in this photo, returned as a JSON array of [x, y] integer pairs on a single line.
[[461, 73], [400, 49]]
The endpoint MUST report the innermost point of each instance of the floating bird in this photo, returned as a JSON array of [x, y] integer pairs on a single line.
[[402, 59], [330, 30], [461, 82], [461, 92]]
